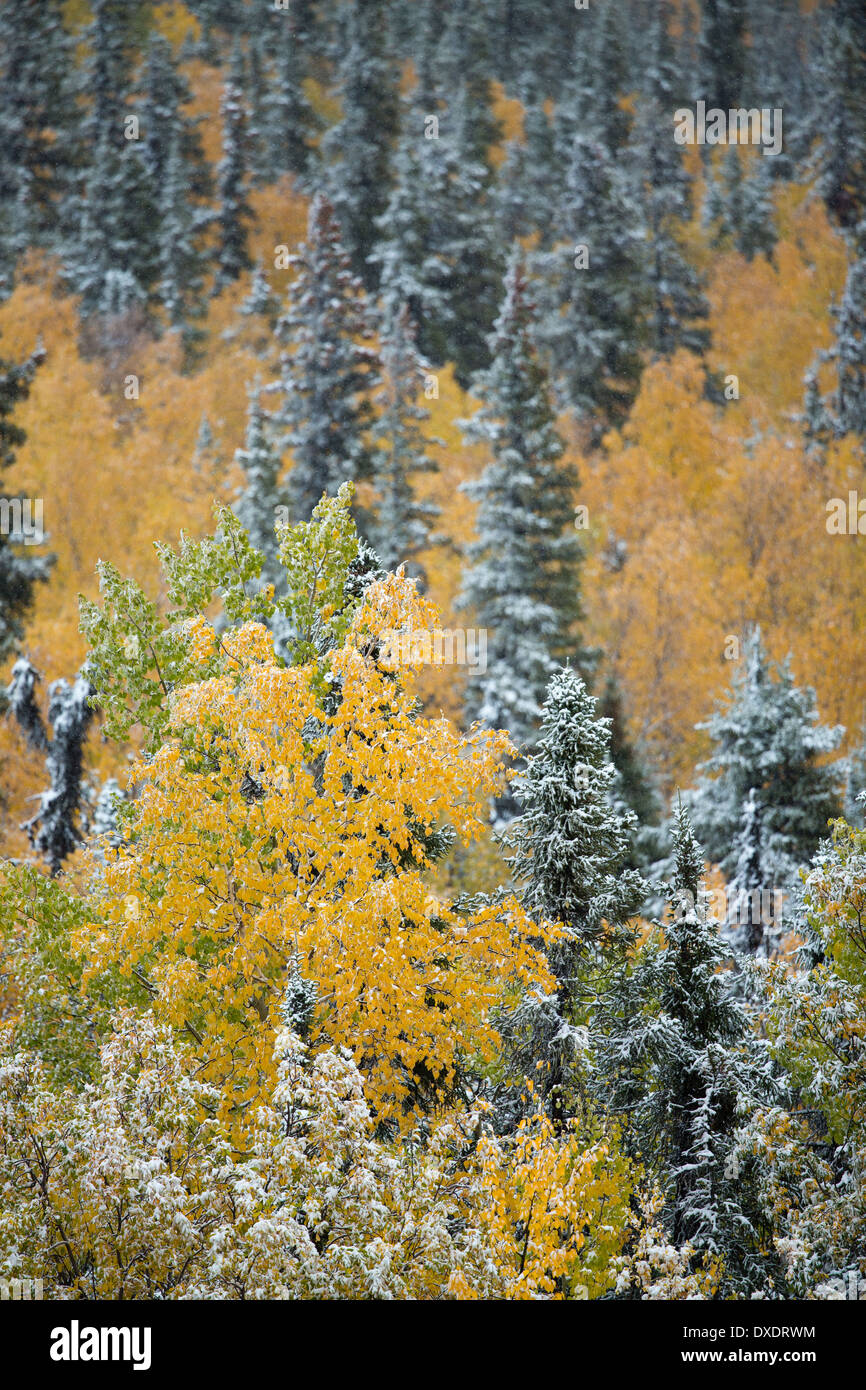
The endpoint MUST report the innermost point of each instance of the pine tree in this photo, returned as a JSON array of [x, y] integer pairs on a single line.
[[260, 500], [839, 123], [526, 179], [674, 1064], [740, 208], [163, 94], [328, 370], [20, 570], [609, 77], [679, 309], [767, 741], [116, 260], [359, 145], [595, 285], [37, 115], [849, 351], [464, 65], [291, 123], [54, 830], [181, 256], [521, 584], [233, 209], [438, 254], [723, 53], [570, 844], [402, 523], [756, 233], [633, 789]]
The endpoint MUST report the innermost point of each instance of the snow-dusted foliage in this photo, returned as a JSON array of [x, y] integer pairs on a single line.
[[319, 1208]]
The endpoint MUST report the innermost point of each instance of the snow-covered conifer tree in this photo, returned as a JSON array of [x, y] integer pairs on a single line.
[[402, 522], [522, 580], [233, 210], [258, 501], [674, 1063], [20, 568], [570, 843], [359, 144], [328, 368], [594, 283], [767, 741], [54, 830]]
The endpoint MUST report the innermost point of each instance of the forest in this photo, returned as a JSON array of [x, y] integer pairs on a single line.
[[433, 699]]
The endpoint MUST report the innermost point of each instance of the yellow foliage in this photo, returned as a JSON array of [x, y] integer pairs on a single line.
[[222, 888]]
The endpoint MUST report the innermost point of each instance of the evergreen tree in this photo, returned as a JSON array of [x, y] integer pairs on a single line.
[[20, 570], [675, 1065], [438, 253], [233, 210], [723, 53], [116, 260], [570, 844], [291, 122], [679, 309], [327, 369], [261, 497], [37, 115], [402, 522], [633, 788], [54, 830], [839, 122], [359, 145], [527, 176], [261, 299], [596, 288], [740, 208], [521, 584], [849, 351], [105, 75], [464, 65], [181, 256], [163, 94], [767, 741]]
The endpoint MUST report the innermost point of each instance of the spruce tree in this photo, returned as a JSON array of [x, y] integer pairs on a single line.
[[739, 206], [839, 122], [438, 251], [37, 114], [116, 259], [595, 285], [328, 368], [849, 350], [527, 176], [571, 845], [767, 741], [162, 95], [359, 145], [678, 308], [20, 570], [54, 830], [233, 210], [521, 584], [261, 497], [402, 521], [723, 53], [675, 1066], [291, 123], [182, 261]]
